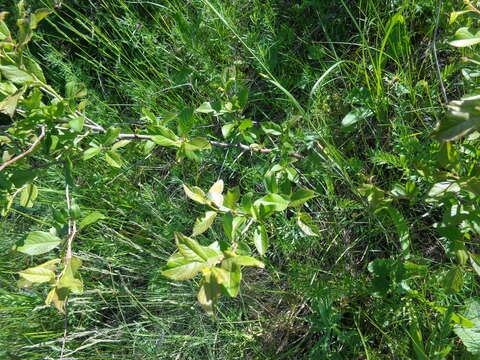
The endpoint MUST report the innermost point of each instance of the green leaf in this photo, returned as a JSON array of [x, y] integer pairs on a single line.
[[272, 202], [242, 261], [356, 115], [38, 16], [203, 223], [76, 124], [111, 135], [72, 284], [227, 129], [465, 37], [475, 261], [164, 141], [4, 31], [91, 218], [198, 143], [231, 198], [58, 298], [74, 90], [9, 104], [114, 159], [195, 193], [470, 336], [455, 14], [37, 274], [34, 68], [229, 279], [209, 292], [260, 239], [453, 280], [39, 242], [205, 108], [120, 144], [271, 128], [462, 119], [180, 269], [301, 196], [185, 121], [193, 251], [306, 224], [166, 132], [21, 177], [28, 195], [443, 187], [91, 152], [14, 74]]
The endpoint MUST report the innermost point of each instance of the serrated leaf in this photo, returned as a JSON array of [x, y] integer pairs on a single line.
[[203, 223], [91, 218], [35, 69], [455, 14], [184, 272], [111, 135], [260, 239], [39, 242]]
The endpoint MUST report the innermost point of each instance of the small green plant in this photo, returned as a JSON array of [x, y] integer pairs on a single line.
[[68, 136]]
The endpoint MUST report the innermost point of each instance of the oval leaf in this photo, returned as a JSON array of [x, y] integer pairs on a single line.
[[39, 242]]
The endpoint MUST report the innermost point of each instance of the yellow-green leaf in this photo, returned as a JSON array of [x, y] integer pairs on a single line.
[[28, 195], [37, 274], [39, 242], [203, 223], [195, 193], [91, 218]]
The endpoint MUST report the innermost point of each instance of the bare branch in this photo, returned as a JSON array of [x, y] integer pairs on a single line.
[[20, 156]]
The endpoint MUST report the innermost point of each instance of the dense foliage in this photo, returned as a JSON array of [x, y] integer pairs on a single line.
[[338, 141]]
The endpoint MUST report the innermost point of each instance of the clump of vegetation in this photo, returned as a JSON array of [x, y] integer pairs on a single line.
[[342, 218]]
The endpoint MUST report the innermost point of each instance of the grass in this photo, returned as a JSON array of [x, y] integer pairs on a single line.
[[316, 298]]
